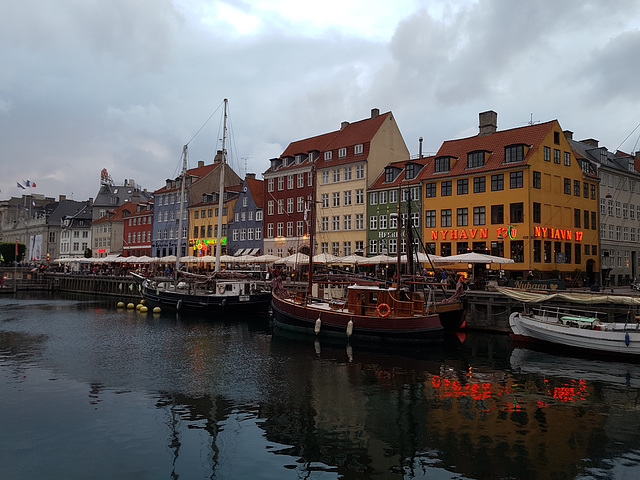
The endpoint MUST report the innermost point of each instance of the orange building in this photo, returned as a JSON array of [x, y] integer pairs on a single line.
[[518, 193]]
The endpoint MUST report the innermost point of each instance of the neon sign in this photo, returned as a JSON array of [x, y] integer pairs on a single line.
[[509, 231], [460, 234], [557, 233]]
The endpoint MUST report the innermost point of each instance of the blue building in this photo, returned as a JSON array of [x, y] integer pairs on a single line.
[[247, 224]]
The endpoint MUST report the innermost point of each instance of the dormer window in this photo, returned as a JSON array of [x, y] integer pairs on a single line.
[[410, 171], [327, 155], [388, 175], [442, 164], [298, 159], [513, 153], [475, 159], [342, 152], [358, 149]]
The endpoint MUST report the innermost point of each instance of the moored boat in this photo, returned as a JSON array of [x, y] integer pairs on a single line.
[[370, 313], [573, 328]]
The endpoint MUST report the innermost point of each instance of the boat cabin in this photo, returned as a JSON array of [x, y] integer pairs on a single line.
[[372, 300]]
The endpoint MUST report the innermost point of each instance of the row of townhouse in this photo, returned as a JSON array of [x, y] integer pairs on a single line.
[[534, 194]]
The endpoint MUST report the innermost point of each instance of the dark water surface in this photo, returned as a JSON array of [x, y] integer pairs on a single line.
[[90, 391]]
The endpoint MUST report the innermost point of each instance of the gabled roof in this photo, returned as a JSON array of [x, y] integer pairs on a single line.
[[197, 173], [256, 187], [531, 135], [358, 132], [117, 214], [312, 144]]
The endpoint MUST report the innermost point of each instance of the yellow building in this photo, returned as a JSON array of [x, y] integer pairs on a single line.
[[517, 193], [349, 162], [203, 223]]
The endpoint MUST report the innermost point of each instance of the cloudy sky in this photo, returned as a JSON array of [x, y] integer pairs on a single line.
[[123, 84]]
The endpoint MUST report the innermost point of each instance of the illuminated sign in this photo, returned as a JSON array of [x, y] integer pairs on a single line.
[[557, 233], [509, 231], [459, 234], [201, 242]]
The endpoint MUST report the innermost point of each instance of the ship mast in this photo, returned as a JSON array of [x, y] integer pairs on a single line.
[[181, 211], [221, 190]]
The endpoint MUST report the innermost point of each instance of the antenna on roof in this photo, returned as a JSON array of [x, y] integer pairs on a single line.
[[531, 122]]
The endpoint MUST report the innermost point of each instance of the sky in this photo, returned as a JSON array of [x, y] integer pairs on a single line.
[[124, 84]]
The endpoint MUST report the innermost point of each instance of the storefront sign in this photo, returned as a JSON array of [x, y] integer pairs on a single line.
[[460, 234], [557, 233]]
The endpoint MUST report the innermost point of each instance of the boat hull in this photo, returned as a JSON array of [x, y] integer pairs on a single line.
[[452, 315], [295, 316], [616, 341], [210, 302]]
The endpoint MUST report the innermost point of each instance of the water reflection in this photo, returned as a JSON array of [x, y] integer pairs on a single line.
[[178, 396]]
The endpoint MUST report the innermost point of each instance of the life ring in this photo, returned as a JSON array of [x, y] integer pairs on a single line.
[[221, 289], [383, 310]]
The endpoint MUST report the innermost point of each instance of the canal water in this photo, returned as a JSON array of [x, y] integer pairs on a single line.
[[91, 391]]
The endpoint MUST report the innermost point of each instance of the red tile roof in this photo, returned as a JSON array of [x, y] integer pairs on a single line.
[[256, 187], [380, 183], [197, 172], [531, 135]]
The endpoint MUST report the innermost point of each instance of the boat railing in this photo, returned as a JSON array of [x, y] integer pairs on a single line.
[[571, 316]]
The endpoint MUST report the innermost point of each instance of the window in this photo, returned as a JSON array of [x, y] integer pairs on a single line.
[[567, 159], [270, 207], [373, 222], [516, 212], [289, 182], [373, 198], [479, 185], [382, 197], [515, 179], [325, 177], [517, 251], [445, 217], [556, 156], [576, 217], [280, 206], [324, 200], [336, 175], [342, 152], [359, 172], [445, 188], [462, 217], [430, 189], [463, 186], [479, 215], [475, 159], [347, 174], [347, 197], [300, 205], [359, 221], [300, 180], [324, 224], [547, 154], [388, 175], [289, 205], [537, 182], [585, 190], [258, 215], [537, 214], [280, 183], [359, 196], [373, 246], [393, 195], [327, 155], [336, 199], [383, 222], [497, 182], [567, 186], [430, 219], [441, 164], [358, 149], [593, 191], [346, 222], [514, 153], [410, 171], [497, 214], [537, 251], [279, 229]]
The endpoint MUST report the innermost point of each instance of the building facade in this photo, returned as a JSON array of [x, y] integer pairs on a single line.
[[247, 220], [137, 229], [518, 193], [203, 223]]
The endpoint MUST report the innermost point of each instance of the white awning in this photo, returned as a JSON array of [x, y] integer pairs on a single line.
[[254, 251]]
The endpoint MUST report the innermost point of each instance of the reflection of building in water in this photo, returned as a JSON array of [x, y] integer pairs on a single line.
[[510, 424]]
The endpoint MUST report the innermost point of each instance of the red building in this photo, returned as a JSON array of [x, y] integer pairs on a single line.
[[136, 236]]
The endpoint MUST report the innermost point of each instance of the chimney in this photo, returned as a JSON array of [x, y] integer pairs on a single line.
[[420, 147], [343, 125], [200, 163], [251, 176], [218, 157], [62, 198], [488, 123], [592, 142], [90, 200], [568, 134], [375, 112]]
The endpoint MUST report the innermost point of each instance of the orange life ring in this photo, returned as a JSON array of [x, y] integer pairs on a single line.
[[221, 289], [383, 310]]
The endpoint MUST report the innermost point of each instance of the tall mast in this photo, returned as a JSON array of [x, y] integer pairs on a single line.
[[181, 211], [312, 224], [221, 190]]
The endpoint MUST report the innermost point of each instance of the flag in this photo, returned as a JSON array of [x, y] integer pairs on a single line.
[[29, 183], [20, 186], [33, 203]]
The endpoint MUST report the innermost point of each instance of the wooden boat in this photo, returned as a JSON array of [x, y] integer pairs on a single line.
[[370, 313], [573, 328], [229, 291]]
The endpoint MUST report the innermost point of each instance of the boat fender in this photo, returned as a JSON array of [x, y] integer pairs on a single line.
[[179, 305], [349, 328], [318, 325], [220, 289], [626, 339], [383, 310], [224, 302]]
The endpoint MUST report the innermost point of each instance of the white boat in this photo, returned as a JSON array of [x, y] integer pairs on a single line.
[[577, 329]]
